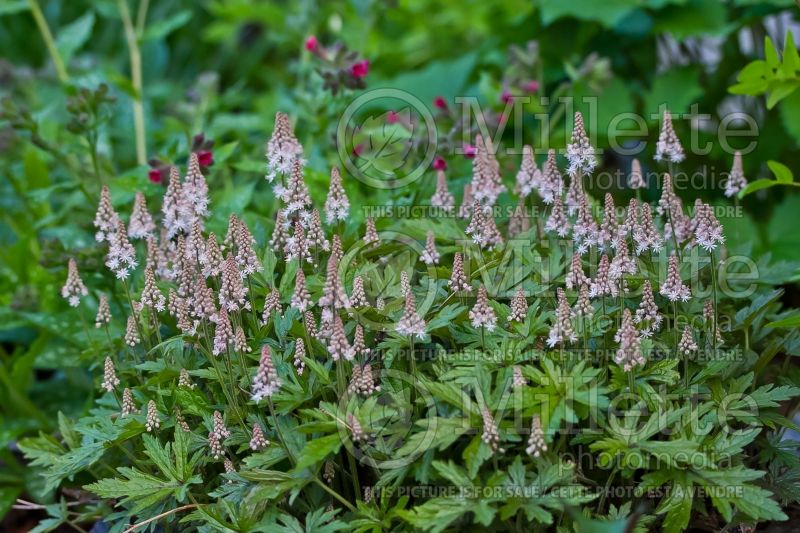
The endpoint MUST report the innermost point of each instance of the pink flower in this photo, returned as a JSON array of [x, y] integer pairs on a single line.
[[312, 44], [154, 175], [360, 69], [439, 163], [358, 149], [440, 102], [392, 117], [505, 97], [205, 158], [531, 86], [469, 151]]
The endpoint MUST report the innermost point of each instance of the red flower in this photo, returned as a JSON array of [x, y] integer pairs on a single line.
[[392, 117], [532, 86], [205, 158], [312, 44], [154, 175], [358, 149], [440, 102], [439, 164], [360, 69], [469, 151]]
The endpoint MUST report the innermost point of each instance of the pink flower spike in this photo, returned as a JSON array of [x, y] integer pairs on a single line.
[[439, 164], [360, 69]]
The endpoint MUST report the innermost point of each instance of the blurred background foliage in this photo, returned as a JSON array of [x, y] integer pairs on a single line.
[[223, 68]]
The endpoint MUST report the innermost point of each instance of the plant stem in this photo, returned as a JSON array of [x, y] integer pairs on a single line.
[[603, 496], [289, 451], [714, 301], [86, 331], [136, 526], [141, 16], [47, 36], [335, 494], [136, 80]]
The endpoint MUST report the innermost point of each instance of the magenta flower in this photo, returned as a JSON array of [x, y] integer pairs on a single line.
[[440, 102], [469, 151], [154, 175], [531, 86], [392, 117], [439, 163], [360, 69], [312, 44], [205, 158]]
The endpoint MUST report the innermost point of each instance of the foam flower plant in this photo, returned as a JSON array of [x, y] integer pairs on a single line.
[[301, 372]]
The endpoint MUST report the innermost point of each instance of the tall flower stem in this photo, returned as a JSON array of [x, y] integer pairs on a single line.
[[335, 494], [156, 326], [134, 313], [242, 360], [670, 218], [413, 360], [47, 36], [135, 57], [252, 300], [714, 301], [278, 430], [86, 330], [585, 331]]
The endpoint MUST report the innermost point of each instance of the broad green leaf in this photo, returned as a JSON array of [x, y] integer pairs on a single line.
[[161, 28], [791, 322], [770, 54], [782, 173], [73, 36], [318, 449], [757, 185]]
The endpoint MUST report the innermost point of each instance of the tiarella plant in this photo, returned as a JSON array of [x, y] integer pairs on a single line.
[[570, 364]]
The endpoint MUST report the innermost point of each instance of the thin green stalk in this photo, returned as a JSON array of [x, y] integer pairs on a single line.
[[141, 16], [413, 370], [234, 382], [601, 504], [156, 326], [335, 494], [49, 42], [86, 331], [252, 301], [133, 310], [354, 474], [289, 451], [135, 57], [585, 331], [714, 301]]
